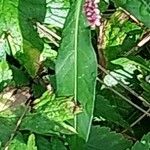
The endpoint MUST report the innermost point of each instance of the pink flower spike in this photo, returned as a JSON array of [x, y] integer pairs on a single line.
[[92, 12]]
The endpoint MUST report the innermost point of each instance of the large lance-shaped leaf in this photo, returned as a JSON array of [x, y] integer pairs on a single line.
[[76, 67], [138, 8]]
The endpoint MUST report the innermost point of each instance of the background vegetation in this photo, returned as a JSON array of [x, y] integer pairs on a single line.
[[67, 86]]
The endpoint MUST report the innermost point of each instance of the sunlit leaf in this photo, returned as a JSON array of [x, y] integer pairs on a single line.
[[50, 114], [56, 13]]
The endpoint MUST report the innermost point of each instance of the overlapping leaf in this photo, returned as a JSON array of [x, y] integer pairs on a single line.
[[18, 143], [17, 29], [138, 8], [119, 36], [103, 108], [5, 74], [56, 13], [101, 138], [50, 115], [144, 144]]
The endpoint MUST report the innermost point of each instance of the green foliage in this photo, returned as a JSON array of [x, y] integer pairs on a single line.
[[67, 86], [144, 144], [19, 143], [120, 35], [101, 138], [5, 74], [108, 111], [9, 24], [76, 67], [138, 8], [50, 114]]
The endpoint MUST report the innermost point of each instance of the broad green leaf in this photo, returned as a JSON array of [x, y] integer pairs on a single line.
[[76, 67], [103, 108], [50, 114], [138, 8], [101, 138], [30, 58], [120, 36], [144, 144], [5, 74]]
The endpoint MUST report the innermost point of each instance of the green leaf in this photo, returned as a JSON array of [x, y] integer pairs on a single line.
[[76, 67], [101, 138], [50, 115], [120, 35], [144, 144], [8, 119], [103, 5], [38, 89], [3, 47], [30, 58], [57, 144], [43, 143], [9, 24], [17, 143], [5, 74], [138, 8], [31, 143], [17, 73], [32, 44], [130, 65], [56, 12], [17, 25], [104, 109]]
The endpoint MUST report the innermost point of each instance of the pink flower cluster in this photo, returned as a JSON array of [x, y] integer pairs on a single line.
[[92, 12]]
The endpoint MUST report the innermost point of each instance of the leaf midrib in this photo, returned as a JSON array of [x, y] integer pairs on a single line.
[[77, 14]]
